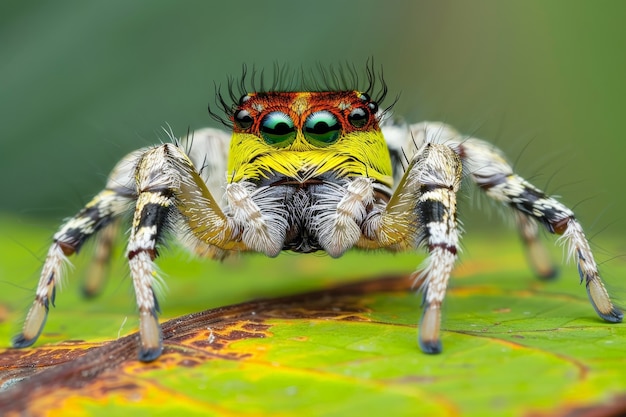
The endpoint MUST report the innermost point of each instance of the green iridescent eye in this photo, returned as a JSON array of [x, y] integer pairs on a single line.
[[277, 129], [322, 128]]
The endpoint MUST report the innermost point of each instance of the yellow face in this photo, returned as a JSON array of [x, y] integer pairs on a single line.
[[303, 135]]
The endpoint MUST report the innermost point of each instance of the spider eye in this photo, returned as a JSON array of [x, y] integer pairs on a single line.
[[373, 106], [243, 120], [244, 98], [322, 128], [277, 129], [358, 117]]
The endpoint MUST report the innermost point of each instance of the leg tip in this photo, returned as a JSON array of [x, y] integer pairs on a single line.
[[33, 325], [428, 336], [602, 303], [21, 341], [89, 292], [550, 274], [614, 316], [431, 347], [151, 354], [540, 260], [151, 338]]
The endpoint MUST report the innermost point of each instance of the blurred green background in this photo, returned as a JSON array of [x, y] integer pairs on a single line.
[[85, 82]]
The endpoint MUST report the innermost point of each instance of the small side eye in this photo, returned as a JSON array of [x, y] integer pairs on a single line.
[[244, 98], [277, 129], [243, 120], [373, 106], [358, 117], [322, 128]]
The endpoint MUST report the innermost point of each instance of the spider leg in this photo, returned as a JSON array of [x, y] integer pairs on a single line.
[[170, 189], [496, 177], [558, 219], [103, 209], [488, 168], [208, 151], [422, 211], [99, 267], [536, 252], [404, 140], [151, 212], [166, 181]]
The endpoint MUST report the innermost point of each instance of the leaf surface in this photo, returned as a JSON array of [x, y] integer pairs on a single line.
[[513, 345]]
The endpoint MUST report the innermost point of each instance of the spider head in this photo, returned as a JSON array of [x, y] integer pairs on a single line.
[[302, 135]]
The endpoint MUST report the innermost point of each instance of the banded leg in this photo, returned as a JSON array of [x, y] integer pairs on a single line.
[[170, 190], [99, 212], [404, 141], [156, 177], [488, 168], [151, 214], [495, 176], [422, 211]]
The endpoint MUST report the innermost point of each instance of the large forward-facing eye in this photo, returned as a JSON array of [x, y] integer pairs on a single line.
[[322, 128], [277, 129]]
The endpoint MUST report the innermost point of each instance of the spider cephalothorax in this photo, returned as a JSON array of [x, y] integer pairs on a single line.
[[308, 171]]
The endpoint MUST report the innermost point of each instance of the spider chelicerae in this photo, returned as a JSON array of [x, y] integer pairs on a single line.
[[320, 170]]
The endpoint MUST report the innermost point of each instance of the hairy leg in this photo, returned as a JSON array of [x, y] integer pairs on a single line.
[[422, 212], [488, 168], [106, 207]]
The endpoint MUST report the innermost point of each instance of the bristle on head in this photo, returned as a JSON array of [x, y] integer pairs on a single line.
[[343, 77]]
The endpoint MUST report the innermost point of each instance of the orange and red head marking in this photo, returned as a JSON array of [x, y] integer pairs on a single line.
[[304, 134], [320, 116]]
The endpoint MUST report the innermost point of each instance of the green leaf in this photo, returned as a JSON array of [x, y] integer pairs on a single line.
[[340, 344]]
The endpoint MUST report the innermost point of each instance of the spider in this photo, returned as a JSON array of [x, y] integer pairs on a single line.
[[320, 170]]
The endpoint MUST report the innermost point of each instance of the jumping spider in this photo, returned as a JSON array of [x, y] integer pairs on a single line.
[[308, 171]]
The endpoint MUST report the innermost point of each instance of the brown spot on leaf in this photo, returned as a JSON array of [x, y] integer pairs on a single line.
[[616, 407], [53, 374]]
